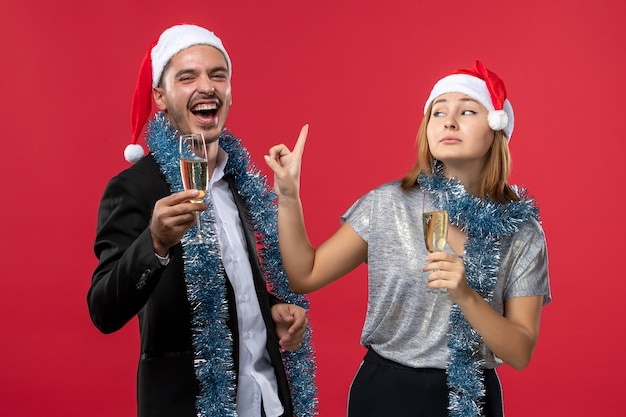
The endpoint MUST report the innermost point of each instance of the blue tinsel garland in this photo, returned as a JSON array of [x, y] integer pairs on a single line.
[[485, 222], [205, 279]]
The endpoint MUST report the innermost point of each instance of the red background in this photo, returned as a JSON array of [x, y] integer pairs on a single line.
[[358, 72]]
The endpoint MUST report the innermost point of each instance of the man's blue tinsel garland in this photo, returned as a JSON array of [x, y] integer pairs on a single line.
[[485, 222], [206, 285]]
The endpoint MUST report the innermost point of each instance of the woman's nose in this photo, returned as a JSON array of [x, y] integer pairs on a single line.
[[450, 123]]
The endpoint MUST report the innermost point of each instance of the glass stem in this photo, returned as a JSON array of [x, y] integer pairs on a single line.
[[198, 226]]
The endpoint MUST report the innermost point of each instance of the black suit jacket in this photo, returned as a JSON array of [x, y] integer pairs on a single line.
[[130, 281]]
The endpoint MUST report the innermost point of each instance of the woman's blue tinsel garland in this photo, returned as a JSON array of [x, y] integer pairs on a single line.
[[485, 222], [206, 285]]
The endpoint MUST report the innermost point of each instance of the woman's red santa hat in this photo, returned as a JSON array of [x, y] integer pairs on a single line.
[[172, 41], [483, 86]]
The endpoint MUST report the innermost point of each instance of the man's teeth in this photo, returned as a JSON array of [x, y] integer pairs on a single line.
[[205, 107]]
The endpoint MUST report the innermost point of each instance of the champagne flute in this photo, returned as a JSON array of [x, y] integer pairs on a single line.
[[435, 230], [194, 170], [435, 227]]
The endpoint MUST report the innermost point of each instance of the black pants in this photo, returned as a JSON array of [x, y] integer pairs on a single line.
[[384, 388]]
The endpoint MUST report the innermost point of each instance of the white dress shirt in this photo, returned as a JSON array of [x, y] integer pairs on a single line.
[[257, 380]]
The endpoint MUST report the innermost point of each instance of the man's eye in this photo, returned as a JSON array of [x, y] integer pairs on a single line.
[[219, 76]]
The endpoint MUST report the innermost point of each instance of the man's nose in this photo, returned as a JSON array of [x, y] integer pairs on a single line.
[[205, 85]]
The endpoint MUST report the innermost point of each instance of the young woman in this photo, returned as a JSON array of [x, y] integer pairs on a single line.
[[438, 324]]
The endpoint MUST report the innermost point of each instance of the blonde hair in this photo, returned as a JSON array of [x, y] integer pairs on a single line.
[[493, 181]]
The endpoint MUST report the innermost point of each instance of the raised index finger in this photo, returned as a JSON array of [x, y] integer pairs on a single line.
[[298, 149]]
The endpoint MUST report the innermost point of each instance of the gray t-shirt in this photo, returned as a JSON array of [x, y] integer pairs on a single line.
[[406, 322]]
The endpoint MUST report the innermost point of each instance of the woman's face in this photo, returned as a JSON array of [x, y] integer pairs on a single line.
[[458, 131]]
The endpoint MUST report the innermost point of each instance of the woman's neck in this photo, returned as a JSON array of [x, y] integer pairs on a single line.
[[470, 178]]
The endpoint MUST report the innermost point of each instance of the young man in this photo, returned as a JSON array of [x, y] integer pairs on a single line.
[[211, 333]]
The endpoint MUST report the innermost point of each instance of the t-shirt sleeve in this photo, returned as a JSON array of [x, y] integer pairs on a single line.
[[359, 215], [529, 269]]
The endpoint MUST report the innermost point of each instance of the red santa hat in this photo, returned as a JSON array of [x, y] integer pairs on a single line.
[[172, 41], [483, 86]]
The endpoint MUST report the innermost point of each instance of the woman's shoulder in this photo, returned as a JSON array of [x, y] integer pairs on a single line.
[[389, 189], [530, 229], [529, 238], [382, 194], [389, 194]]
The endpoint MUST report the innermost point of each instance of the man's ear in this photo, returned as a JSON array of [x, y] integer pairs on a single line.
[[159, 98]]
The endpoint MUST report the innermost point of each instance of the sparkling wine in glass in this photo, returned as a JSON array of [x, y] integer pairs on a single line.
[[435, 230], [194, 170], [435, 226]]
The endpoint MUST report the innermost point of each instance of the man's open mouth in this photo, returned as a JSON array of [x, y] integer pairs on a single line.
[[205, 110]]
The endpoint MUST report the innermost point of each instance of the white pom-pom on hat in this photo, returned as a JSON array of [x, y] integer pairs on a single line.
[[172, 41], [497, 119], [483, 86], [133, 152]]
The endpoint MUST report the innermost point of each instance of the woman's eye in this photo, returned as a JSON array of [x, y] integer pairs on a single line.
[[437, 113], [465, 112]]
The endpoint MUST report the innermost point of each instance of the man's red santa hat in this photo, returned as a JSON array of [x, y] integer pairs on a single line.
[[172, 41]]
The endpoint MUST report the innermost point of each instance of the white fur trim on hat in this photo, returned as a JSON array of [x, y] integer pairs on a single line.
[[175, 39], [477, 89]]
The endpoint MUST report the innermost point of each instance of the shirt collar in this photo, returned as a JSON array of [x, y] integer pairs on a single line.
[[220, 165]]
